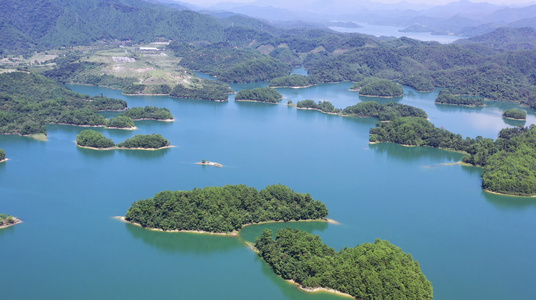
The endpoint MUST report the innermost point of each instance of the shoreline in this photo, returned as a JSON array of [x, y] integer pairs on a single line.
[[17, 221], [232, 233], [318, 289], [465, 105], [249, 100], [123, 148], [317, 109], [509, 195], [153, 119], [515, 119], [292, 87], [97, 126], [4, 160]]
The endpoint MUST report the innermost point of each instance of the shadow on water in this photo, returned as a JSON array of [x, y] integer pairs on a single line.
[[98, 154], [9, 230], [509, 202], [414, 153], [184, 242], [447, 108], [380, 99], [145, 154], [516, 123]]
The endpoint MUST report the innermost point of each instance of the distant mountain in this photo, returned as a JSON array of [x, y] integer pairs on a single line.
[[462, 8], [505, 39], [28, 25]]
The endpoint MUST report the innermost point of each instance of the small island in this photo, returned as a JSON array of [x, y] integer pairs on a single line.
[[209, 163], [224, 210], [213, 90], [368, 271], [515, 114], [92, 139], [384, 112], [376, 87], [446, 97], [149, 113], [322, 106], [2, 155], [264, 94], [291, 81], [8, 221]]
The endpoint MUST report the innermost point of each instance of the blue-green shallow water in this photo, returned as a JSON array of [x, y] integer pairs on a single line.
[[471, 244]]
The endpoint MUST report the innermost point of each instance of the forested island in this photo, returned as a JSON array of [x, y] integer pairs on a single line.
[[213, 90], [224, 209], [515, 114], [293, 81], [376, 87], [263, 94], [8, 221], [2, 155], [148, 113], [323, 106], [367, 271], [509, 163], [446, 97], [384, 112], [95, 140]]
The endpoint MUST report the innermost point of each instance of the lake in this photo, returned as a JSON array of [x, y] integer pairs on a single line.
[[470, 244], [393, 31]]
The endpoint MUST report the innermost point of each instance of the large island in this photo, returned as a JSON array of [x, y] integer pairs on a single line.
[[224, 210], [95, 140], [368, 271]]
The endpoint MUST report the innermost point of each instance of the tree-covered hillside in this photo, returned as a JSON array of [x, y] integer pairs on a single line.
[[30, 101], [368, 271], [224, 209]]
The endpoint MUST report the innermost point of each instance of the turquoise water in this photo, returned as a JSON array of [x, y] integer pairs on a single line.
[[471, 244]]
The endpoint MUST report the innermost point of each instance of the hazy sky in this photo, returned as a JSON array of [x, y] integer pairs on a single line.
[[429, 2]]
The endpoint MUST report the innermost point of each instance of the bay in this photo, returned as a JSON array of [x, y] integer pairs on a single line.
[[470, 244]]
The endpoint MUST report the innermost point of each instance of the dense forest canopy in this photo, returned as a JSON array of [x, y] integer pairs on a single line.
[[377, 87], [384, 112], [145, 141], [224, 209], [446, 97], [148, 112], [263, 94], [93, 139], [515, 113], [294, 80], [368, 271], [29, 101], [324, 106]]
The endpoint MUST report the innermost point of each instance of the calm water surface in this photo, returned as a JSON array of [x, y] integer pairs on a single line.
[[471, 244]]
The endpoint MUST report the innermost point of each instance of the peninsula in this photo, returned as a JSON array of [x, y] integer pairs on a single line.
[[8, 221], [368, 271], [224, 210]]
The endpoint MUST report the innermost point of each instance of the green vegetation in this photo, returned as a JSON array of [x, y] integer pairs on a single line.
[[145, 89], [6, 220], [293, 80], [446, 97], [2, 154], [516, 114], [121, 122], [368, 271], [214, 90], [384, 112], [29, 101], [509, 162], [149, 141], [93, 139], [323, 106], [230, 64], [378, 88], [148, 113], [418, 82], [263, 94], [224, 209]]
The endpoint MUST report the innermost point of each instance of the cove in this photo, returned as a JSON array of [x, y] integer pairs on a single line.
[[470, 244]]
